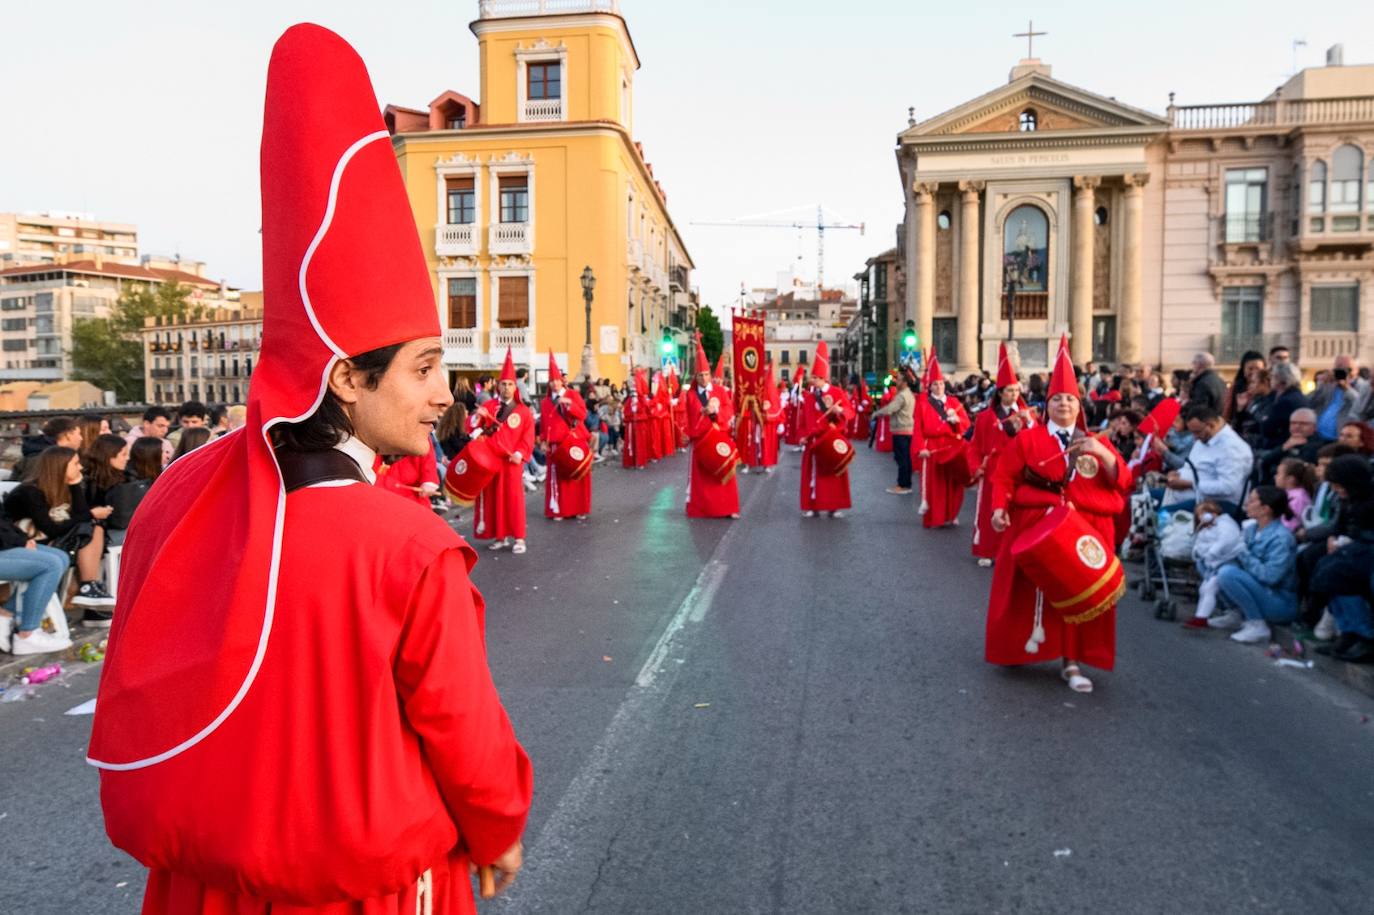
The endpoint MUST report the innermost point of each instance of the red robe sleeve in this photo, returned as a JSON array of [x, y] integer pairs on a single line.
[[449, 699], [1007, 470]]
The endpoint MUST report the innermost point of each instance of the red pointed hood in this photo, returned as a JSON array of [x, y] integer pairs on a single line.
[[641, 383], [703, 364], [1162, 417], [555, 373], [1006, 374], [1063, 379], [820, 366], [933, 373], [719, 373], [343, 274], [508, 367]]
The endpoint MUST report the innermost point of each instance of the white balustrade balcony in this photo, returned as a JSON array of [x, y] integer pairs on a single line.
[[518, 339], [544, 109], [510, 238], [456, 240], [634, 253], [461, 346], [1321, 347]]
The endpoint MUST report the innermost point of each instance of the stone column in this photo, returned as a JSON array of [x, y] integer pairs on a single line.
[[969, 312], [1081, 305], [1128, 321], [925, 262]]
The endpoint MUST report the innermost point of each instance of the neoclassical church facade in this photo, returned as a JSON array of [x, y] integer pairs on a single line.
[[1042, 209]]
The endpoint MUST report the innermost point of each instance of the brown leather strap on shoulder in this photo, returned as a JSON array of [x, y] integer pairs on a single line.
[[300, 469]]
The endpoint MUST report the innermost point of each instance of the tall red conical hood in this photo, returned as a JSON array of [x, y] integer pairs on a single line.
[[770, 385], [1063, 379], [719, 373], [933, 373], [703, 364], [508, 367], [555, 373], [1006, 374], [343, 274], [820, 366]]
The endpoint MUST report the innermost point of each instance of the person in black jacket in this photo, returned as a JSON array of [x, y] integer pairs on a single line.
[[1349, 550], [1206, 387], [54, 506], [144, 465], [60, 430]]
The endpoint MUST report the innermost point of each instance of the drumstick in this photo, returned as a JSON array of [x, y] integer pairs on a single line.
[[486, 875]]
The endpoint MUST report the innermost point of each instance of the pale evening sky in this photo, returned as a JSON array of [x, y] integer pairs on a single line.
[[150, 112]]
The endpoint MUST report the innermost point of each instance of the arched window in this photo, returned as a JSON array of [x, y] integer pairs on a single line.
[[1026, 247], [1346, 165], [1028, 120], [1316, 188]]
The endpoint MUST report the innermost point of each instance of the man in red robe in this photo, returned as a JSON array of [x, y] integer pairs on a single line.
[[756, 429], [1044, 467], [679, 405], [412, 477], [661, 412], [796, 393], [863, 407], [824, 406], [994, 427], [250, 763], [708, 408], [937, 441], [634, 417], [561, 423], [499, 515]]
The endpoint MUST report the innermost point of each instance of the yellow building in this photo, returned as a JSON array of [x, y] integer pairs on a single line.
[[516, 195]]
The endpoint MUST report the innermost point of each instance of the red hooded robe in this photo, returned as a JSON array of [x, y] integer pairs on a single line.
[[939, 429], [500, 509], [560, 420], [821, 492]]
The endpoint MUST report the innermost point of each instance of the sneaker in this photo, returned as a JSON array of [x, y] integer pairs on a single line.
[[1195, 623], [40, 642], [899, 490], [808, 514], [531, 486], [1252, 631], [94, 618], [93, 594], [837, 514], [519, 547], [6, 629], [985, 563], [1325, 630], [1227, 619], [744, 470]]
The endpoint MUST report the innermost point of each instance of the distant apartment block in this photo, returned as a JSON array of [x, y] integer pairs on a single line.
[[41, 238]]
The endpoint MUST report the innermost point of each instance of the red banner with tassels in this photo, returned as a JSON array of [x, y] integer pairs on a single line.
[[750, 355]]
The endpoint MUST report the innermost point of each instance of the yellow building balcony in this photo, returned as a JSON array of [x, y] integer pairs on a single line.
[[543, 109], [456, 240], [634, 253], [510, 238], [462, 346], [520, 340]]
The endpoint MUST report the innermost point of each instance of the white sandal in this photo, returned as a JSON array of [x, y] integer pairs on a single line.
[[519, 547], [1073, 676]]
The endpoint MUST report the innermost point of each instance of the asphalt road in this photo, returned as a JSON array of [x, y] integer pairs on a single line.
[[788, 715]]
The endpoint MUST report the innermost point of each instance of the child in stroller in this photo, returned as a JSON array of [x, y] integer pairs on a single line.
[[1216, 543]]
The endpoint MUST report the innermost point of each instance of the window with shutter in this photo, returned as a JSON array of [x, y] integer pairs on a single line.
[[462, 302], [513, 301], [1335, 308], [462, 202], [515, 198]]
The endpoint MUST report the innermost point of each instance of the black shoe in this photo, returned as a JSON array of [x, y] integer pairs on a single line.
[[1362, 652], [97, 619], [93, 594], [1344, 642]]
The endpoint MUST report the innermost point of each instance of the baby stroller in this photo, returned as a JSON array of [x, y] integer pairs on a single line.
[[1164, 540]]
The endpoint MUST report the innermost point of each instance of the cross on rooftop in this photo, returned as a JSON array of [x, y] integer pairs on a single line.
[[1030, 34]]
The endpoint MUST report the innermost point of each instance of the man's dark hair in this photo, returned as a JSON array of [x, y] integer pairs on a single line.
[[193, 408], [521, 372], [58, 425], [155, 413], [217, 415], [329, 425], [1277, 349], [1201, 413], [1334, 450]]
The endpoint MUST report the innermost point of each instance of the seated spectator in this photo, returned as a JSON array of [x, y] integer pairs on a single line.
[[92, 427], [1302, 443], [41, 568], [156, 423], [1242, 388], [1218, 465], [1259, 400], [53, 505], [191, 415], [1121, 431], [144, 466], [60, 431], [1320, 514], [104, 467], [1155, 390], [1357, 435], [1216, 544], [1344, 570], [1299, 480], [1261, 587], [191, 439]]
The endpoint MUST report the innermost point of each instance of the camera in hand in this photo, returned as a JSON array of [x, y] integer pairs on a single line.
[[1341, 374]]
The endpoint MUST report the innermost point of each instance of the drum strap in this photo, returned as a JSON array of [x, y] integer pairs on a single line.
[[300, 469]]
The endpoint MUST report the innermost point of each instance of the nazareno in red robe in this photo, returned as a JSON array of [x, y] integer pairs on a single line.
[[705, 497], [820, 492], [758, 441], [500, 509], [634, 450], [942, 491], [882, 425], [564, 498], [1012, 600], [989, 438]]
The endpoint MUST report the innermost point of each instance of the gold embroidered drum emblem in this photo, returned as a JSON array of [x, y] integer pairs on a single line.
[[1091, 552]]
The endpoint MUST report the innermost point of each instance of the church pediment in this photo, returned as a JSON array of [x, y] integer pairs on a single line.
[[1055, 106]]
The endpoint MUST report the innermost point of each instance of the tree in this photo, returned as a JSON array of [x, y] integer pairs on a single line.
[[712, 337], [108, 352]]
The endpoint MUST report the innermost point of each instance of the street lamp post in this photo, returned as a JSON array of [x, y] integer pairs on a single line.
[[588, 284]]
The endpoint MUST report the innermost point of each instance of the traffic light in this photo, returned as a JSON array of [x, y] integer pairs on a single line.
[[669, 348], [909, 339]]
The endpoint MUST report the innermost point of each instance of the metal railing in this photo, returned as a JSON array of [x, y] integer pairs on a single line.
[[1244, 228], [499, 9], [457, 239], [1273, 113]]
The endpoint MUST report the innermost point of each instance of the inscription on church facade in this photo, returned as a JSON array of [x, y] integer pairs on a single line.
[[1016, 159]]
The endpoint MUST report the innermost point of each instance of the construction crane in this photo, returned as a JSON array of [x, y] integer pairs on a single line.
[[767, 221]]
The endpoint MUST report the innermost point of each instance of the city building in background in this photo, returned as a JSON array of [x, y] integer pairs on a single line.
[[793, 325], [871, 343], [1046, 209], [209, 358], [516, 193], [41, 238], [40, 303]]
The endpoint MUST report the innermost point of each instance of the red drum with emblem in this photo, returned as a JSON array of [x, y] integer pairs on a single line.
[[572, 458], [1066, 559], [716, 456], [470, 472], [833, 452]]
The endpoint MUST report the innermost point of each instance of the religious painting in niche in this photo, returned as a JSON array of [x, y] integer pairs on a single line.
[[1026, 245]]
